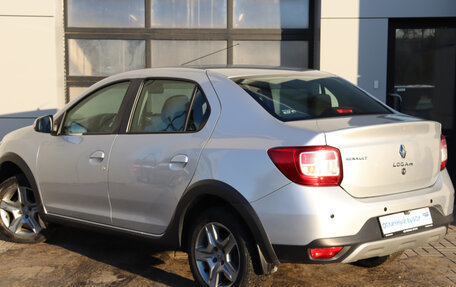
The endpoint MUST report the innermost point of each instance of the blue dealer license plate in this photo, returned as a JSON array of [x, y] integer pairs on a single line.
[[406, 221]]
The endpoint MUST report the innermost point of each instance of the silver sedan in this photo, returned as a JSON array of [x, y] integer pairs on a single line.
[[243, 168]]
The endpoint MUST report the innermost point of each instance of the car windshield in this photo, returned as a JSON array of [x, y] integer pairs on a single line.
[[300, 97]]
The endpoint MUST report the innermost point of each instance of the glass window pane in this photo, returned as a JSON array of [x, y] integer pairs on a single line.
[[105, 57], [74, 92], [300, 97], [271, 53], [188, 14], [105, 13], [280, 14], [162, 106], [200, 112], [424, 73], [97, 112], [176, 53]]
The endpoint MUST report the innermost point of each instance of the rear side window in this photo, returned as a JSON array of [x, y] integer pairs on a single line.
[[291, 98], [164, 106], [199, 113]]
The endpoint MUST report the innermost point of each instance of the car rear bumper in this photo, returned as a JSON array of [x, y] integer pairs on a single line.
[[391, 245], [367, 243], [297, 218]]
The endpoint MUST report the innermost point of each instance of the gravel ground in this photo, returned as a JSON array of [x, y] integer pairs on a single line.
[[75, 257]]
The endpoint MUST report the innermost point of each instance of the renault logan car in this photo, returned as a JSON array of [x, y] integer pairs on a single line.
[[242, 168]]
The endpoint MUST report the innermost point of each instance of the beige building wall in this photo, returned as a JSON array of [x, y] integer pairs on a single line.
[[32, 61], [354, 36]]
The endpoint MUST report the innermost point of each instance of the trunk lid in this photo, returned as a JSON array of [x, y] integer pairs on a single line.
[[384, 154]]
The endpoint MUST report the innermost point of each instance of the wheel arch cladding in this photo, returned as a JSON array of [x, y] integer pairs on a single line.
[[207, 192], [8, 169]]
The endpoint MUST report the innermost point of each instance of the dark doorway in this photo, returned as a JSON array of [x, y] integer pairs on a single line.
[[422, 73]]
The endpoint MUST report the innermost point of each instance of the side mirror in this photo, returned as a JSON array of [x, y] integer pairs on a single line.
[[44, 124]]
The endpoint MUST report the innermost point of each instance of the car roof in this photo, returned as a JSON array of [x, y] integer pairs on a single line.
[[227, 71], [234, 72]]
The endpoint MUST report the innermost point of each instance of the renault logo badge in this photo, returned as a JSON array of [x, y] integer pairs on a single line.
[[402, 151]]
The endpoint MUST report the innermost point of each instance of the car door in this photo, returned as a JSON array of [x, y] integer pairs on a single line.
[[154, 161], [72, 166]]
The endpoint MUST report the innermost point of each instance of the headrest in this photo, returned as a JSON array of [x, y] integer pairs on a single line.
[[173, 105]]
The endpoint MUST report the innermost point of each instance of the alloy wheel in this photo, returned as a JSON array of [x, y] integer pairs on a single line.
[[217, 255], [19, 211]]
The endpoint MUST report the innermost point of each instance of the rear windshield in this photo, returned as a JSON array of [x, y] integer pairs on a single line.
[[292, 98]]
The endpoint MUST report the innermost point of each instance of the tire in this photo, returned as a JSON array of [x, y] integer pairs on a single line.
[[219, 242], [377, 261], [19, 218]]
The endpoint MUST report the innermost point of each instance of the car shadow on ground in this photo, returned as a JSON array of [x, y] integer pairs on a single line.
[[137, 256]]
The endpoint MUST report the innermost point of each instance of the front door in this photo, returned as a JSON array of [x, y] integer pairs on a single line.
[[422, 71], [72, 166]]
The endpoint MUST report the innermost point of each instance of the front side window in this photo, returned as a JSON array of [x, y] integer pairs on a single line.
[[300, 97], [96, 113], [164, 104]]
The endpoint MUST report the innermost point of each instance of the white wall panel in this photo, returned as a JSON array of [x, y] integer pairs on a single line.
[[339, 48], [29, 65], [387, 8], [27, 7]]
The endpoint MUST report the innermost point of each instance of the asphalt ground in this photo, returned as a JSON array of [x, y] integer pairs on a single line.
[[77, 257]]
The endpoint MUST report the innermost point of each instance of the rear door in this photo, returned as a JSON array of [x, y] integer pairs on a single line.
[[72, 167], [153, 162]]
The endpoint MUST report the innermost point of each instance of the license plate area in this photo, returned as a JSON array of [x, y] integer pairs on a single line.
[[406, 221]]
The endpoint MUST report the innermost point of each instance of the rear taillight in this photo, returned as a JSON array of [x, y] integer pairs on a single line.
[[443, 152], [314, 165]]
